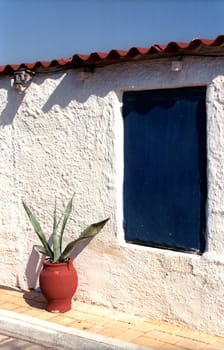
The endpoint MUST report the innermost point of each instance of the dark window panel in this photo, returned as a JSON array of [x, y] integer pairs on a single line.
[[165, 168]]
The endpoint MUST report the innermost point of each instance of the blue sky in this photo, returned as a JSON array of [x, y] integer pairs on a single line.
[[34, 30]]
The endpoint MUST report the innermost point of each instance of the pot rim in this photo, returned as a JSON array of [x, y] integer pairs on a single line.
[[47, 263]]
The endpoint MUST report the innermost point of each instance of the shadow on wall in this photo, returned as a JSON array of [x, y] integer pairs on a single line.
[[75, 85], [33, 269], [78, 86], [34, 265], [14, 100]]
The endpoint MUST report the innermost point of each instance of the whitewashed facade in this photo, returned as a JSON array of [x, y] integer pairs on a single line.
[[64, 134]]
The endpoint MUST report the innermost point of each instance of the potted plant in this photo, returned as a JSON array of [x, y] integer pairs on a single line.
[[58, 278]]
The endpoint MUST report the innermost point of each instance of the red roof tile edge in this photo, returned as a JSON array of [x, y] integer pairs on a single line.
[[114, 56]]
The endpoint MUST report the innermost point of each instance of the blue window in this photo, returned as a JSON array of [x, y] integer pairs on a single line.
[[165, 168]]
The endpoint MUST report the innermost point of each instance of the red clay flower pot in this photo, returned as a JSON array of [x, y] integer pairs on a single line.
[[58, 283]]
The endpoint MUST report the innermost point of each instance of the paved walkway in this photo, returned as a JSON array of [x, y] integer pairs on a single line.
[[100, 320]]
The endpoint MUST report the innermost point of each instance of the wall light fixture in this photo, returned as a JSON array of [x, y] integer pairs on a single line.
[[22, 79]]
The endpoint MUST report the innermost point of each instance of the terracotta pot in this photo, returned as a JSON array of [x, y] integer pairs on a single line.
[[58, 283]]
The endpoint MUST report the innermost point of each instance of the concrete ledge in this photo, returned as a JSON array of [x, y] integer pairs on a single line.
[[56, 336]]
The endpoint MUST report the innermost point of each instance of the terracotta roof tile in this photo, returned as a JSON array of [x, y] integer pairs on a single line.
[[196, 46]]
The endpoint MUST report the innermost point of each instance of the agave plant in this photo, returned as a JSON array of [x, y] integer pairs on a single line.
[[56, 254]]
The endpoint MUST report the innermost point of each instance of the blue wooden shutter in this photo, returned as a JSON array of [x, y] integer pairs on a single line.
[[165, 168]]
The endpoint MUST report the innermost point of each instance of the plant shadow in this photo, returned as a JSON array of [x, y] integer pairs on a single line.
[[35, 299], [33, 268], [32, 297]]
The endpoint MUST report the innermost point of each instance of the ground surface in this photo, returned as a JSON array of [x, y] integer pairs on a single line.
[[152, 334]]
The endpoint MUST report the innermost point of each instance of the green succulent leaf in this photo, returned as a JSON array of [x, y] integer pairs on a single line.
[[55, 254], [55, 236], [68, 210], [93, 229], [38, 230], [40, 249], [90, 232]]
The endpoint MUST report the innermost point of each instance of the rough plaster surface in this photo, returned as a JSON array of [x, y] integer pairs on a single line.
[[64, 135]]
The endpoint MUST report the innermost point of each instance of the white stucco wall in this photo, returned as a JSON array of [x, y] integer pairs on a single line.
[[64, 134]]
